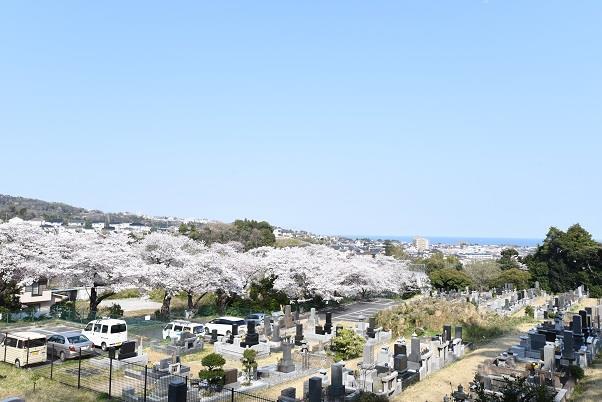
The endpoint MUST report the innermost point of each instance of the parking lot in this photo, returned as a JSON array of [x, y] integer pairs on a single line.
[[352, 312], [45, 329]]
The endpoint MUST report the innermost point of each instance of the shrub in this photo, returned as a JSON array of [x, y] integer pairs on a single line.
[[576, 372], [529, 312], [213, 374], [370, 397], [64, 310], [115, 311], [249, 364], [347, 345]]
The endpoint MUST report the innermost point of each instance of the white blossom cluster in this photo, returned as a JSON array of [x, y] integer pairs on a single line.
[[176, 263]]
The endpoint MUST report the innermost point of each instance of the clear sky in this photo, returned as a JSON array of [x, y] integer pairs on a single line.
[[469, 118]]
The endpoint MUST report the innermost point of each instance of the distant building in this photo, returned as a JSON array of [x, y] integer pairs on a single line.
[[421, 243], [39, 297]]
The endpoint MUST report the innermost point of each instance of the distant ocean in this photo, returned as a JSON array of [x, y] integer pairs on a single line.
[[484, 241]]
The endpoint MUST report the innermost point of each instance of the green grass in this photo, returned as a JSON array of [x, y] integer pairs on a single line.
[[495, 327], [20, 382], [125, 294]]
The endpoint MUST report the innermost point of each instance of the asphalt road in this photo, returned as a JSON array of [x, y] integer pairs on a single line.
[[352, 312]]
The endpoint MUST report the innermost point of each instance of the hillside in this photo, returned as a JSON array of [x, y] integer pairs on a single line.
[[30, 208]]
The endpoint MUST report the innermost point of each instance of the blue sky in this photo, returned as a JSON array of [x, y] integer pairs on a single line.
[[468, 118]]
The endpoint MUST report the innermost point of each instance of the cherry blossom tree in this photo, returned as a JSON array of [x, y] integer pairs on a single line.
[[166, 258], [98, 260]]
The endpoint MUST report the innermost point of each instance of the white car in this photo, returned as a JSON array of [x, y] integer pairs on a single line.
[[223, 325], [174, 329], [106, 332]]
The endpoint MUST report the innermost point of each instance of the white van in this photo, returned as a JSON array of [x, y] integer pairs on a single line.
[[106, 332], [174, 329], [23, 348]]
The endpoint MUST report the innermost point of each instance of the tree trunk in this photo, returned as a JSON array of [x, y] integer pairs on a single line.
[[95, 301], [221, 301], [190, 302], [165, 306]]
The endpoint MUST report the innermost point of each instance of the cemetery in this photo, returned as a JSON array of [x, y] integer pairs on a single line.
[[547, 353]]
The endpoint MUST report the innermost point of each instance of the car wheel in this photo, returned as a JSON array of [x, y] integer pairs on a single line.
[[103, 346], [168, 338], [62, 356], [228, 333], [17, 363], [207, 331]]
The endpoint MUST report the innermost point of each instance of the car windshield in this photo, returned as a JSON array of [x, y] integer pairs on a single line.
[[77, 339], [35, 343], [239, 322], [253, 317], [118, 328]]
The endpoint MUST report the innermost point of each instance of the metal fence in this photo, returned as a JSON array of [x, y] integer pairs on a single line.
[[132, 382]]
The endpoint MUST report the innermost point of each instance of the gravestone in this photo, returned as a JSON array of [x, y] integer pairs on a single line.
[[415, 355], [371, 325], [583, 315], [214, 335], [399, 349], [233, 333], [288, 395], [312, 318], [538, 341], [267, 325], [548, 356], [288, 318], [368, 357], [328, 325], [299, 334], [400, 363], [315, 389], [177, 390], [230, 376], [447, 333], [252, 337], [286, 364], [296, 313], [337, 388], [127, 350], [383, 356], [568, 345], [577, 325], [276, 332], [458, 334], [319, 330]]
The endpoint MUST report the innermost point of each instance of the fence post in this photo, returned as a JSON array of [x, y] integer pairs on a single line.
[[52, 361], [5, 339], [145, 376], [27, 358], [231, 394], [110, 373], [79, 368]]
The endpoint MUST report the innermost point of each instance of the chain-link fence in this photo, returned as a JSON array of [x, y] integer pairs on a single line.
[[133, 382]]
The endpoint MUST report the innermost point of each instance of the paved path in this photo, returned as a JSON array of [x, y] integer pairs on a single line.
[[133, 304], [352, 312]]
